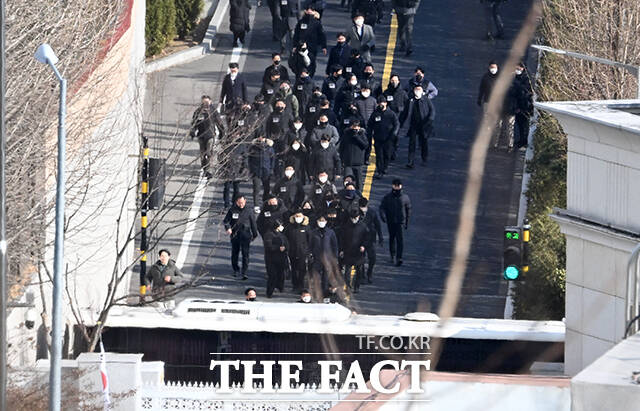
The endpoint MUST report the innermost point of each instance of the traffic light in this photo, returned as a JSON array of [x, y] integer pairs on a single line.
[[512, 253]]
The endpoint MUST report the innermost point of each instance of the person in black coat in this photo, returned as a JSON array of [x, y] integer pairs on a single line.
[[276, 259], [370, 81], [261, 163], [273, 209], [232, 157], [524, 105], [297, 155], [298, 233], [346, 95], [324, 255], [309, 30], [372, 10], [325, 157], [289, 188], [319, 190], [270, 87], [239, 20], [355, 65], [486, 84], [353, 147], [383, 128], [203, 123], [277, 126], [333, 83], [396, 98], [339, 54], [303, 89], [240, 225], [163, 275], [353, 245], [276, 60], [395, 210], [285, 17], [302, 59], [419, 114], [374, 229], [309, 212], [234, 88]]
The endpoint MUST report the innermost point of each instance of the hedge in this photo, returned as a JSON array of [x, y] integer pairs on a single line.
[[167, 18]]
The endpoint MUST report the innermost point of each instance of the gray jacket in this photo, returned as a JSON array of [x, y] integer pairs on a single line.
[[364, 43]]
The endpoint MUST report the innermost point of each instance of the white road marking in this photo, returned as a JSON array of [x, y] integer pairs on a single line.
[[191, 222]]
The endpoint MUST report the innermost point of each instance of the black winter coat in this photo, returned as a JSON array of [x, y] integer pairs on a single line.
[[203, 122], [273, 240], [331, 86], [269, 215], [374, 228], [395, 208], [242, 223], [261, 159], [366, 107], [232, 90], [239, 16], [383, 125], [396, 98], [324, 247], [338, 55], [309, 29], [303, 89], [486, 86], [353, 146], [352, 237], [290, 191], [280, 68], [325, 159], [157, 272], [299, 236], [427, 113], [318, 193]]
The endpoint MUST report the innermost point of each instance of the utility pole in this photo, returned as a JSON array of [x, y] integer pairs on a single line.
[[144, 208], [3, 217]]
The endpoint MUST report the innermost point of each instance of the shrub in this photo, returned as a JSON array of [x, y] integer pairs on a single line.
[[187, 14], [160, 25]]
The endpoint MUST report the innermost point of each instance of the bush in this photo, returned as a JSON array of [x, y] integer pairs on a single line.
[[160, 26], [540, 296], [187, 14]]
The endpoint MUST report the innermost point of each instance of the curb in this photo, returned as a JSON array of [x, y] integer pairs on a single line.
[[195, 52]]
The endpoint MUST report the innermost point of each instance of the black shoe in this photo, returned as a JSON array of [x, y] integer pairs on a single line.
[[393, 156], [409, 165], [235, 273], [398, 263], [245, 277], [409, 52]]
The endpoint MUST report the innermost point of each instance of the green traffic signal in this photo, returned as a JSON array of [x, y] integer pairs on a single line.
[[511, 273]]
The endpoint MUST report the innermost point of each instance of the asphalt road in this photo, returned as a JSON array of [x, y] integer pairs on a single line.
[[449, 44]]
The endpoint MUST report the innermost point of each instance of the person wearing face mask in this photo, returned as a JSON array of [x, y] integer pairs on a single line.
[[366, 105], [324, 252], [355, 65], [270, 87], [524, 105], [240, 225], [370, 81], [339, 54], [371, 220], [361, 37], [298, 233], [353, 245], [332, 84], [319, 190], [395, 210], [250, 294], [276, 128], [419, 79], [289, 188], [419, 114], [276, 259], [396, 98], [486, 84], [405, 11], [276, 66], [322, 129], [204, 122], [297, 155], [325, 109], [296, 132], [353, 148], [234, 87], [371, 9], [232, 157], [310, 32], [285, 17], [325, 157], [348, 199], [346, 96], [303, 90], [348, 116], [309, 211], [292, 107], [314, 108], [383, 128], [272, 210], [239, 20], [261, 164], [305, 297]]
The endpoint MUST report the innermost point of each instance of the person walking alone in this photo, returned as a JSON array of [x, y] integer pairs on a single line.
[[395, 210]]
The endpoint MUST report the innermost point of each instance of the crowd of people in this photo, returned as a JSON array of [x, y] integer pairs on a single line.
[[304, 145]]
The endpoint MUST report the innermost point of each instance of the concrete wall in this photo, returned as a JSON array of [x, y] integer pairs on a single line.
[[102, 177], [601, 223]]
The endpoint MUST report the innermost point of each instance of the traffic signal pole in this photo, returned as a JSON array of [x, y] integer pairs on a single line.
[[144, 190]]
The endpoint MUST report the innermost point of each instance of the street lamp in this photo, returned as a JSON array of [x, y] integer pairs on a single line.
[[44, 54]]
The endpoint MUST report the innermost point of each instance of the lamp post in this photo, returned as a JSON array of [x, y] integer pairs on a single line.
[[44, 54]]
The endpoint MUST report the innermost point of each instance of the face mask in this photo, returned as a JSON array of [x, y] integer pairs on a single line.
[[493, 70], [366, 94], [518, 72], [322, 224], [354, 220], [394, 84], [295, 146], [368, 74], [306, 299], [381, 106], [297, 126], [280, 228], [279, 109], [359, 22], [353, 82], [323, 179], [419, 77], [288, 173], [363, 209], [251, 299], [418, 94], [324, 144], [276, 62], [299, 219], [323, 124], [396, 191], [303, 49], [273, 206], [340, 43]]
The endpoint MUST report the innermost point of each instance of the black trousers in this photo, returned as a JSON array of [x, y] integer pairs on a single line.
[[256, 181], [298, 272], [521, 130], [383, 154], [318, 280], [421, 136], [240, 245], [353, 282], [226, 197], [238, 36], [356, 172], [405, 30], [396, 240], [275, 276], [371, 259], [492, 17]]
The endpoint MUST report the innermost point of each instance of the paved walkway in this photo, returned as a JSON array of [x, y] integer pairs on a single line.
[[449, 45]]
